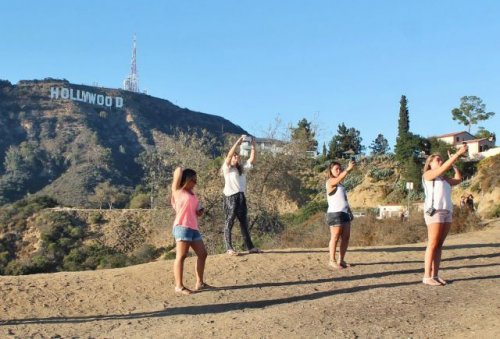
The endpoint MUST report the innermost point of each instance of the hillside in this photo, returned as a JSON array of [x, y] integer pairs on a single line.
[[62, 139], [281, 293]]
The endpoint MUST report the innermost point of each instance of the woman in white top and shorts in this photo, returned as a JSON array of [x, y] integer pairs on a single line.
[[438, 210], [338, 216]]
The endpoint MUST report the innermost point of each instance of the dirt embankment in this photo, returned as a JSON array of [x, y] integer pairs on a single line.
[[281, 293]]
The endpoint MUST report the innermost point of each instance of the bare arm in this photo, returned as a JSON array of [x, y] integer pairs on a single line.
[[457, 178], [232, 150], [252, 153], [332, 182], [434, 173], [176, 181]]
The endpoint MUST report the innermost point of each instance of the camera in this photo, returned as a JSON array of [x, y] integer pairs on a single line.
[[430, 211], [247, 138], [353, 159]]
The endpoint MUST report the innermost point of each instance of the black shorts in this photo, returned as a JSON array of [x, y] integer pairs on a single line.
[[337, 218]]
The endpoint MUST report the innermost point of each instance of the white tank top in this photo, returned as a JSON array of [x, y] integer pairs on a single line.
[[441, 192], [337, 202]]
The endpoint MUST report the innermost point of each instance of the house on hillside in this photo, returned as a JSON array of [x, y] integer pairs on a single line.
[[477, 147], [390, 211], [270, 145], [397, 211], [276, 146]]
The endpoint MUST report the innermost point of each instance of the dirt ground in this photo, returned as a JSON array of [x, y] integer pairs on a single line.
[[281, 293]]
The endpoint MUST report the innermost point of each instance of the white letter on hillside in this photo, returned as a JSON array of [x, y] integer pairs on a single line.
[[54, 93], [85, 96], [119, 102], [64, 93], [91, 98], [100, 100], [109, 101]]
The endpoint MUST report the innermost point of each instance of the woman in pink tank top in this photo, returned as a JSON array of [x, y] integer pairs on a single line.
[[185, 230]]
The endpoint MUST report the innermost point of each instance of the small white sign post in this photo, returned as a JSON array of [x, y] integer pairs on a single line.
[[409, 187]]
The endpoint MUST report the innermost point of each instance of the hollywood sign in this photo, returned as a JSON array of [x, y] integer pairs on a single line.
[[84, 96]]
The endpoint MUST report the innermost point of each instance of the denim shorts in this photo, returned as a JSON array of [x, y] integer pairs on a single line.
[[182, 233], [337, 218]]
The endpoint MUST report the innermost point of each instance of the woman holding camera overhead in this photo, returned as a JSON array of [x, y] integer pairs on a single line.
[[234, 203], [338, 216], [438, 210]]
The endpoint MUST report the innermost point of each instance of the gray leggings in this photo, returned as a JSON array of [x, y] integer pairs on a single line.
[[235, 206]]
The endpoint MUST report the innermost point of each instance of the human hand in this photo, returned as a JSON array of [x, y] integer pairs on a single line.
[[463, 149], [351, 165]]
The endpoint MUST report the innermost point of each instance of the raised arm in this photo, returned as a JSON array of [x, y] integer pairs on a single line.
[[457, 178], [176, 181], [232, 150], [252, 153], [332, 182], [436, 172]]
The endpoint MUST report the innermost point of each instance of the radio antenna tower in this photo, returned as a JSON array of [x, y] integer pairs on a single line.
[[131, 82]]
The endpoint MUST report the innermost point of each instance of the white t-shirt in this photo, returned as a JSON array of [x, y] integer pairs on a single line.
[[233, 181], [337, 202], [441, 192]]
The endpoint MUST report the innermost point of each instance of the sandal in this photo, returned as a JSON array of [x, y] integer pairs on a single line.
[[431, 282], [232, 253], [255, 250], [439, 280], [183, 290], [204, 286]]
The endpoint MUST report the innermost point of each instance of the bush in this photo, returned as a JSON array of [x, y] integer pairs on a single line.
[[141, 200], [95, 217], [306, 212], [97, 256], [379, 174]]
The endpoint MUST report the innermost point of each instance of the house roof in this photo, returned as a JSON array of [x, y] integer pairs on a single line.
[[453, 134]]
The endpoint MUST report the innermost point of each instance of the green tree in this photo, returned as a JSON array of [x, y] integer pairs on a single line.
[[105, 193], [471, 111], [403, 147], [483, 133], [304, 135], [380, 145], [346, 139]]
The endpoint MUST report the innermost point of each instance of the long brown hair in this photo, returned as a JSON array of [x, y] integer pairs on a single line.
[[238, 167], [333, 163], [187, 175], [430, 158]]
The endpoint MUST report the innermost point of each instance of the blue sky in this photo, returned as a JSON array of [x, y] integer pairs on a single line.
[[253, 61]]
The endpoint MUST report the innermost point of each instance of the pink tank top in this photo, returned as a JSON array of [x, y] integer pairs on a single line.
[[185, 210]]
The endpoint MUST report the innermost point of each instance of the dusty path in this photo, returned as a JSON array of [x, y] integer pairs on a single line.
[[282, 293]]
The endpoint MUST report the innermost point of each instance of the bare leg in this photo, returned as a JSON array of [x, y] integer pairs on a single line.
[[335, 232], [433, 234], [435, 269], [201, 252], [181, 250], [344, 243]]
